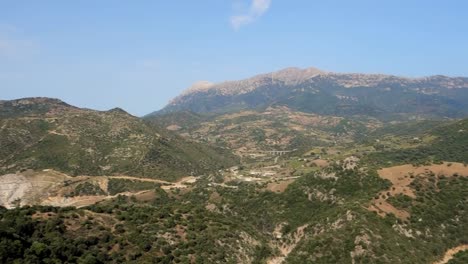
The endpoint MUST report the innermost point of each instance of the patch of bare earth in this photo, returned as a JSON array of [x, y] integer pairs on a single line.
[[321, 163], [49, 187], [145, 196], [451, 253], [287, 244], [180, 230], [43, 216], [29, 187], [280, 186], [402, 176], [173, 128], [359, 250], [77, 201]]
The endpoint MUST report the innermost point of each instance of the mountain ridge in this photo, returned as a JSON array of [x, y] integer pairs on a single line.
[[42, 105], [296, 74], [45, 133], [316, 91]]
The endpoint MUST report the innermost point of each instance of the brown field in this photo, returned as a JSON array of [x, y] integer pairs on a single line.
[[401, 178], [145, 196], [321, 163], [279, 187]]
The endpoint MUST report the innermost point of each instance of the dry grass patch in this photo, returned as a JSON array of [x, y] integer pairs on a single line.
[[321, 163], [145, 196], [402, 176], [279, 187]]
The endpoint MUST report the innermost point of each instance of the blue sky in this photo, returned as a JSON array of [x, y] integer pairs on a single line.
[[139, 54]]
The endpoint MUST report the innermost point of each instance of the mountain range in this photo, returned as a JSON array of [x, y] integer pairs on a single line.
[[314, 91], [295, 166]]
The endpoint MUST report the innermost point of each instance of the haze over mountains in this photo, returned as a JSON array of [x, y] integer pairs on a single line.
[[314, 91]]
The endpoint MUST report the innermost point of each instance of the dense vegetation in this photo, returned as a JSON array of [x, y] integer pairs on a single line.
[[214, 224], [116, 186], [48, 133], [460, 258], [322, 216], [125, 230], [86, 188], [450, 144]]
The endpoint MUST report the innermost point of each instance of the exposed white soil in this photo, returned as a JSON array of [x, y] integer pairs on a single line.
[[287, 244], [49, 187]]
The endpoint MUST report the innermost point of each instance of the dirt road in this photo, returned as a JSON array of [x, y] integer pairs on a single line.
[[450, 253]]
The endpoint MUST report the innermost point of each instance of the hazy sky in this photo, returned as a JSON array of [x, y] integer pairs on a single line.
[[139, 54]]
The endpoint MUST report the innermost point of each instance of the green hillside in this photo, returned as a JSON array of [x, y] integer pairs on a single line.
[[322, 220], [450, 143], [348, 193], [49, 134]]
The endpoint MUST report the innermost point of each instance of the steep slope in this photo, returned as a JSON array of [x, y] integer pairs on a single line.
[[315, 91], [42, 133]]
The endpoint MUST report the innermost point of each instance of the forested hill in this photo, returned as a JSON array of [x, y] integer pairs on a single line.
[[43, 133]]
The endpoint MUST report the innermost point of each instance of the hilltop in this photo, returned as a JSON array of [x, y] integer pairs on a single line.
[[43, 133]]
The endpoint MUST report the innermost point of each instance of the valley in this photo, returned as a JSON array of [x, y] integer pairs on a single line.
[[256, 179]]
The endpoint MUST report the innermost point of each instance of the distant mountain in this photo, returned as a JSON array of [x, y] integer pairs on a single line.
[[44, 133], [315, 91], [341, 190]]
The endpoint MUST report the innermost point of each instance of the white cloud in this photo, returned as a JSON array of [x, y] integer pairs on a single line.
[[256, 10]]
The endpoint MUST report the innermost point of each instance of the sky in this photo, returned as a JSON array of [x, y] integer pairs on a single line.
[[138, 55]]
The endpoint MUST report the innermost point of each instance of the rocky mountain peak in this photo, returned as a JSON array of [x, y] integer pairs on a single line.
[[294, 74], [199, 86], [317, 91], [287, 76]]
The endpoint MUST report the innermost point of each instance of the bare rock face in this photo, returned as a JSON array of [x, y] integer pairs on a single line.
[[13, 188], [28, 188], [315, 91], [199, 86], [287, 76], [293, 76]]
